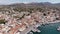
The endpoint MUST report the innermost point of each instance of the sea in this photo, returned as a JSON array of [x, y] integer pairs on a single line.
[[48, 29]]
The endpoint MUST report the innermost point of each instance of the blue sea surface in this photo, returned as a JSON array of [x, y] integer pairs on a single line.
[[48, 29]]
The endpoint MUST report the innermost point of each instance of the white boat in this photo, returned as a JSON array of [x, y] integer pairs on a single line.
[[58, 28]]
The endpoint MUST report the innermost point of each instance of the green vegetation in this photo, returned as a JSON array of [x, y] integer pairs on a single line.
[[28, 9], [2, 21]]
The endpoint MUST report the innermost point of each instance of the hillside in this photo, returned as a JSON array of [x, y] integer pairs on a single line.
[[22, 18]]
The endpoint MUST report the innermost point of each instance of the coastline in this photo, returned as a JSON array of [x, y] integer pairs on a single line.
[[58, 21], [52, 22], [48, 26]]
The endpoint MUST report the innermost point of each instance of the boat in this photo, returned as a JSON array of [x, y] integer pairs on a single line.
[[58, 29]]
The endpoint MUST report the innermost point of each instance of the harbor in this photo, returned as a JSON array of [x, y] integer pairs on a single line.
[[48, 29]]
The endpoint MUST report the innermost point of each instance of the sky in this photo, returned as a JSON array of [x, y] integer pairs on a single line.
[[26, 1]]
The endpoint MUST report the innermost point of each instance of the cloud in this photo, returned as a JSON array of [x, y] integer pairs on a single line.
[[8, 1], [26, 1]]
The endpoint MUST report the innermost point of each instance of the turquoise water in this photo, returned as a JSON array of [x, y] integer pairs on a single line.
[[49, 29]]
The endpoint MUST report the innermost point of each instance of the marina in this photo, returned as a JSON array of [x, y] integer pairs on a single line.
[[48, 29]]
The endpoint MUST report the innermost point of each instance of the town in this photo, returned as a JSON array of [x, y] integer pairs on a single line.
[[15, 22]]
